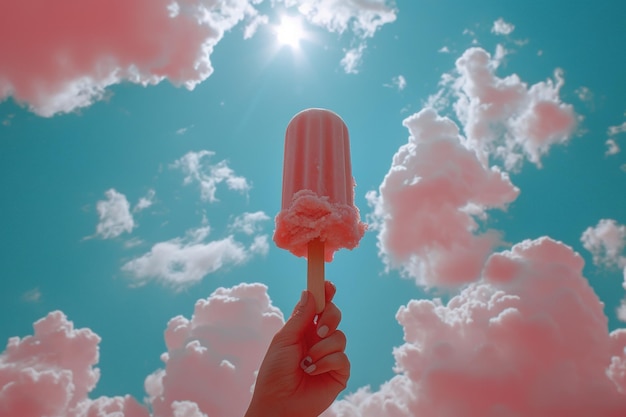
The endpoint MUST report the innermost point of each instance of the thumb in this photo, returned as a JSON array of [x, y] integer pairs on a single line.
[[300, 319]]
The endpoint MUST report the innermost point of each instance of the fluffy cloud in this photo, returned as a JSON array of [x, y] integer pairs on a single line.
[[49, 373], [352, 59], [398, 82], [612, 147], [57, 57], [504, 117], [361, 17], [210, 363], [529, 339], [209, 176], [211, 359], [500, 27], [249, 223], [145, 202], [184, 261], [427, 206], [606, 242], [115, 216]]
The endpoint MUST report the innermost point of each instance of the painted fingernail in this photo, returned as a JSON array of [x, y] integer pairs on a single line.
[[306, 363], [322, 331], [310, 369]]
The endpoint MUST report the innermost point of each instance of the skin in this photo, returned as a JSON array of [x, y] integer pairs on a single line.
[[305, 367]]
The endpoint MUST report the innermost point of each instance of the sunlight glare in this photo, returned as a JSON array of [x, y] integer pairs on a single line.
[[289, 32]]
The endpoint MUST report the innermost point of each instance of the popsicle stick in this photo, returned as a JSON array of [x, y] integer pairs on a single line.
[[315, 273]]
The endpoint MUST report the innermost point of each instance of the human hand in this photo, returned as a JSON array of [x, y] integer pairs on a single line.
[[305, 366]]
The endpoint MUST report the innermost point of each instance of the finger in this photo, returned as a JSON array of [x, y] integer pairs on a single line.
[[300, 320], [336, 342], [328, 320], [336, 362], [329, 291]]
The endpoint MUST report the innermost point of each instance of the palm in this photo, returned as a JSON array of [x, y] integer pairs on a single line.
[[297, 390]]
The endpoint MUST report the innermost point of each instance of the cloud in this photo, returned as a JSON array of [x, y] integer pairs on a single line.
[[352, 59], [606, 242], [500, 27], [181, 262], [48, 373], [115, 215], [64, 56], [362, 17], [612, 147], [210, 363], [616, 130], [212, 358], [249, 223], [254, 24], [209, 176], [145, 202], [32, 296], [398, 82], [529, 339], [427, 207], [504, 117]]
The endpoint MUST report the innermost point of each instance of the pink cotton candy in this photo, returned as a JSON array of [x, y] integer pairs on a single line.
[[309, 217]]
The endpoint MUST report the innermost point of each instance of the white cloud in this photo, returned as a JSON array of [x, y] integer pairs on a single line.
[[500, 27], [444, 50], [115, 216], [184, 261], [254, 24], [616, 130], [612, 147], [249, 223], [145, 202], [362, 17], [209, 176], [32, 296], [606, 242], [352, 59], [260, 245], [397, 82]]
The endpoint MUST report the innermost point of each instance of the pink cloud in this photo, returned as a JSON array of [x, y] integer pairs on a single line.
[[211, 359], [49, 373], [210, 363], [529, 339], [60, 56], [427, 207], [504, 117]]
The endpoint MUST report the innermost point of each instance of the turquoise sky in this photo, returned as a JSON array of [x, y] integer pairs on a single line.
[[55, 170]]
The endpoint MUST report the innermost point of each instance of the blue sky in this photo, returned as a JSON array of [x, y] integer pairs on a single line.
[[57, 167]]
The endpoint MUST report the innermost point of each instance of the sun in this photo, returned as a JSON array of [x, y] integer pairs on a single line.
[[289, 32]]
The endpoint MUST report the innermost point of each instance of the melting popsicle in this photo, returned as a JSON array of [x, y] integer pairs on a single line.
[[318, 214]]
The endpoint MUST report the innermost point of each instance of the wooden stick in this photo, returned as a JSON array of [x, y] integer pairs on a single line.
[[315, 273]]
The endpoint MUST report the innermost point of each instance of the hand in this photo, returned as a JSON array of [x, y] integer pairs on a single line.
[[305, 366]]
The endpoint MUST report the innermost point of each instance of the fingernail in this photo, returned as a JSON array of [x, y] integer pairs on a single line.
[[310, 369], [304, 297], [306, 363], [322, 331]]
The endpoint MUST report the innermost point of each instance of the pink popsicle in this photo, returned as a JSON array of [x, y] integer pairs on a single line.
[[318, 214]]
